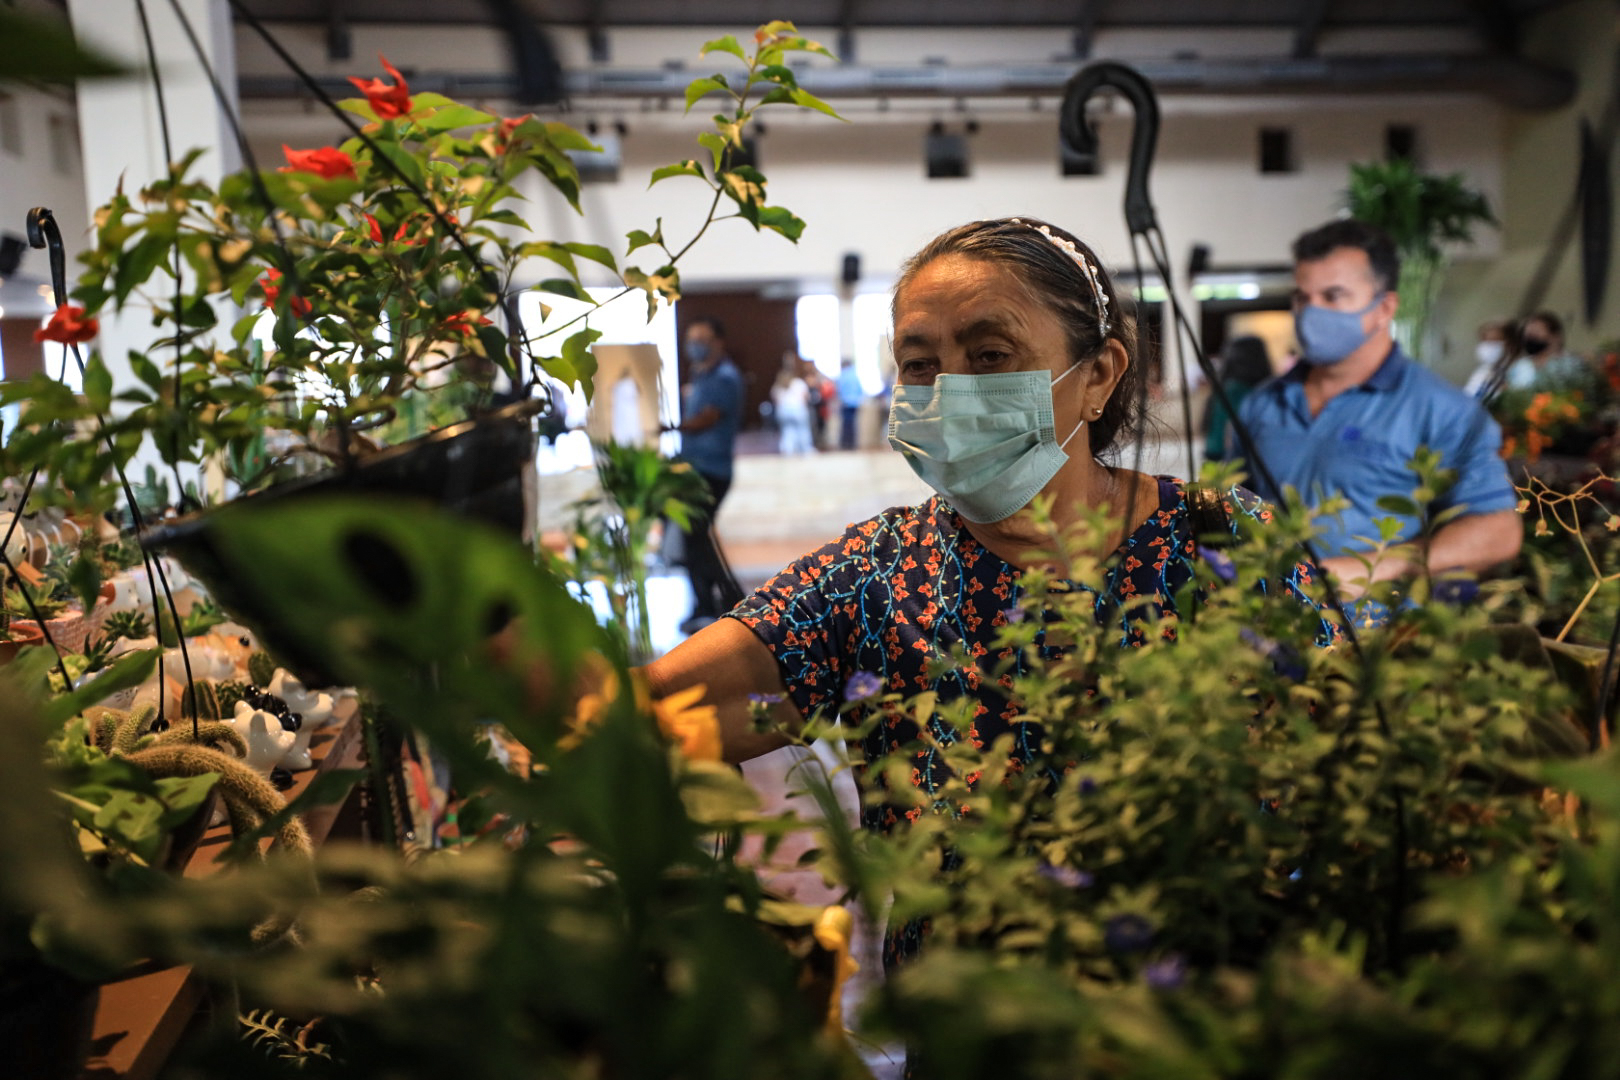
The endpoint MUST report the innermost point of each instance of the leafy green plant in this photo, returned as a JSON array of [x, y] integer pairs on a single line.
[[1421, 212], [613, 528], [381, 263]]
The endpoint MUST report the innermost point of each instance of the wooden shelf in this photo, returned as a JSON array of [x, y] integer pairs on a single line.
[[140, 1019]]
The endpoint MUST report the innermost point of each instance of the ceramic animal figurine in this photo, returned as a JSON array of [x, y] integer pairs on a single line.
[[267, 741], [312, 707]]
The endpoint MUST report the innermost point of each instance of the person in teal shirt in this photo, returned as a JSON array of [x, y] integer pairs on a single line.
[[1244, 366]]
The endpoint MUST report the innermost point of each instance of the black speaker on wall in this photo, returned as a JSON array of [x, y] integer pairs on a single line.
[[946, 154], [12, 247], [852, 269]]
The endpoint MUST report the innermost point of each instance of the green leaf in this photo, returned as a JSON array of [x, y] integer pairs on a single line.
[[577, 351], [727, 44], [689, 167], [781, 220], [403, 160], [557, 253], [805, 99], [697, 89], [1398, 504], [146, 371], [596, 253], [451, 117], [98, 383], [136, 265], [781, 74], [125, 672], [565, 287], [640, 239]]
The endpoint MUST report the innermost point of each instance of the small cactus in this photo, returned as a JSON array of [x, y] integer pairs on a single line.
[[132, 624], [215, 734], [201, 700], [227, 694], [261, 668], [249, 800]]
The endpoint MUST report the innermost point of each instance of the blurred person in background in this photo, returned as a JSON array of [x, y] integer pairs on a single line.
[[1245, 364], [790, 401], [1543, 364]]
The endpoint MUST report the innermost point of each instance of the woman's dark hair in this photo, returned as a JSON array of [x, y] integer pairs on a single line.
[[1550, 320], [1056, 281]]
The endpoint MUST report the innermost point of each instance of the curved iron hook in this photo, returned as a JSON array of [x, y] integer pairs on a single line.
[[1081, 137], [43, 232]]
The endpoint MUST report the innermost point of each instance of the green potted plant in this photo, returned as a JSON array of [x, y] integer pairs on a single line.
[[1421, 212]]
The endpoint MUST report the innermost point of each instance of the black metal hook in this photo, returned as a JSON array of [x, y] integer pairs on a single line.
[[1081, 137], [43, 232]]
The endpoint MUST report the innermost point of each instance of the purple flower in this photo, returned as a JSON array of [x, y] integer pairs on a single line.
[[1285, 661], [1013, 615], [1067, 876], [862, 685], [1455, 589], [1220, 563], [1087, 785], [1127, 933], [1166, 973], [766, 699]]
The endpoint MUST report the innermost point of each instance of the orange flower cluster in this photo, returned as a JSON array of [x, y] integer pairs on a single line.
[[327, 162], [389, 102], [1546, 411], [68, 326], [271, 284]]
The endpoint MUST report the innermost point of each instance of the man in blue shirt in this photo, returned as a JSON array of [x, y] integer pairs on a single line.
[[711, 412], [1348, 419], [850, 394]]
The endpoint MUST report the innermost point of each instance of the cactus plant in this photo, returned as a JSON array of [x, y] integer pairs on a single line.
[[201, 700], [261, 668]]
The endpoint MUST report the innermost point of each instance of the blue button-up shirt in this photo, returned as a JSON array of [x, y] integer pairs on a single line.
[[711, 450], [1360, 445]]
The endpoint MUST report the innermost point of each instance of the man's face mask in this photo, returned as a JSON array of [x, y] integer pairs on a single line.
[[1535, 346], [698, 351], [1327, 336], [987, 443]]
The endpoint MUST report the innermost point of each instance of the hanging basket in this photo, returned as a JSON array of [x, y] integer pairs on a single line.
[[474, 469]]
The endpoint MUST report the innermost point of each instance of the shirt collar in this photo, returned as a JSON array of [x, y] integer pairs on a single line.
[[1387, 376]]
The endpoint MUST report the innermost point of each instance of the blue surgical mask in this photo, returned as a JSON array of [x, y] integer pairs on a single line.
[[987, 443], [1327, 336], [697, 351]]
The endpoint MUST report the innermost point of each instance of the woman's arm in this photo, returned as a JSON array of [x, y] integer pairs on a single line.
[[731, 663]]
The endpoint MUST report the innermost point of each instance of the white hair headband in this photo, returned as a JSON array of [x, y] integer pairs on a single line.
[[1088, 270]]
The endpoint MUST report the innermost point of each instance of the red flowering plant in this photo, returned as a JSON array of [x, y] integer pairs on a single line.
[[318, 294]]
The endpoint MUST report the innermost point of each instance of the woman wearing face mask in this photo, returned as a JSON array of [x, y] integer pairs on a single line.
[[1489, 352], [1544, 365], [1016, 375]]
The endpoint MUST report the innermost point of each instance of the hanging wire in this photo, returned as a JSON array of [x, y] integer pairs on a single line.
[[44, 232]]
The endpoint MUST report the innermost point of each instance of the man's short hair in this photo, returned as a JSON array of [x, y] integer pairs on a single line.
[[1322, 241], [714, 325]]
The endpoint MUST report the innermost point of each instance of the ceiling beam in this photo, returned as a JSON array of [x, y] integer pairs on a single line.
[[1513, 81], [1085, 28], [846, 30], [1308, 28]]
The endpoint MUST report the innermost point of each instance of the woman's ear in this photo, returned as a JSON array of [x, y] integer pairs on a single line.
[[1103, 374]]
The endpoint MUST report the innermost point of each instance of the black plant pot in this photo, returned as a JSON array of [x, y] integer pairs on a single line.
[[474, 469]]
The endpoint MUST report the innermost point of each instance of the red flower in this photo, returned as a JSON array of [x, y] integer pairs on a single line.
[[462, 322], [68, 326], [299, 306], [399, 233], [328, 162], [386, 101]]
